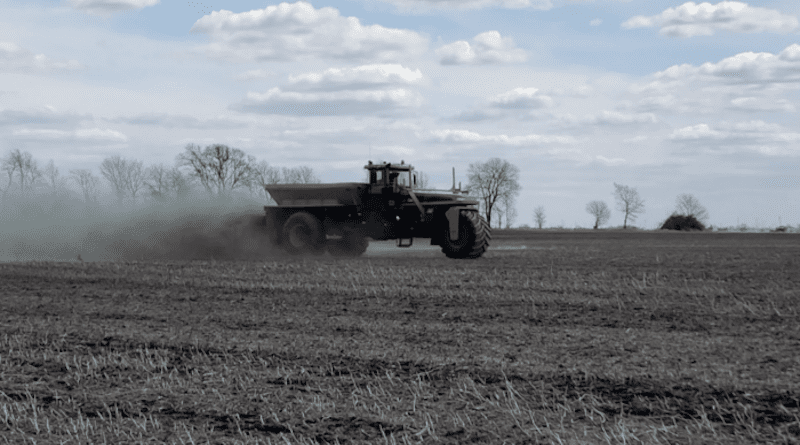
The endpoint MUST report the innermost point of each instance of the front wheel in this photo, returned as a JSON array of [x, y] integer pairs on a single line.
[[302, 234], [473, 237]]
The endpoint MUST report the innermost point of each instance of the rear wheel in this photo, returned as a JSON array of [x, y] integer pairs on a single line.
[[473, 237], [352, 244], [302, 234]]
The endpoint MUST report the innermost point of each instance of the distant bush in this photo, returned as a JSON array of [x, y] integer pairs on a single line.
[[682, 222], [781, 229]]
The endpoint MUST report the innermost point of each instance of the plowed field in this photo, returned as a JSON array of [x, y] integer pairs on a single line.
[[572, 337]]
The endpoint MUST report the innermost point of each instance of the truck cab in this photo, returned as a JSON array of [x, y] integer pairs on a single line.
[[390, 178]]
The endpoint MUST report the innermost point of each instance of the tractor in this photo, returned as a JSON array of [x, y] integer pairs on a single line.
[[342, 217]]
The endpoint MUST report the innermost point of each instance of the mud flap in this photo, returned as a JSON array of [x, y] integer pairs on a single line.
[[453, 214]]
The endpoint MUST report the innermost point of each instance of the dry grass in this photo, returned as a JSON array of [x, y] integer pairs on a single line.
[[581, 338]]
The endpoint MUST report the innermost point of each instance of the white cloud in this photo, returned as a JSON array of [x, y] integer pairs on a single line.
[[97, 135], [277, 101], [618, 118], [291, 31], [467, 136], [179, 121], [762, 104], [426, 6], [14, 58], [521, 98], [610, 161], [101, 7], [756, 135], [696, 132], [690, 19], [596, 22], [487, 48], [477, 115], [747, 67], [360, 77]]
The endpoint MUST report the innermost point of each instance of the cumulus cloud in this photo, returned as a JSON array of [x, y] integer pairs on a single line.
[[96, 135], [178, 121], [15, 59], [762, 104], [619, 118], [291, 31], [521, 98], [596, 22], [360, 77], [487, 48], [102, 7], [756, 135], [704, 19], [743, 68], [340, 91], [425, 6], [467, 136], [277, 101]]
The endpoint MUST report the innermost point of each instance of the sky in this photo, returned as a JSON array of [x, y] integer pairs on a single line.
[[667, 97]]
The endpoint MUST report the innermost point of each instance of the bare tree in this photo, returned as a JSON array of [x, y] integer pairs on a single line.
[[87, 183], [299, 175], [688, 205], [264, 175], [158, 181], [600, 211], [494, 181], [629, 202], [53, 177], [219, 168], [509, 211], [126, 176], [538, 216], [22, 168]]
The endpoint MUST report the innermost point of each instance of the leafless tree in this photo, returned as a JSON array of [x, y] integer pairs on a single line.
[[688, 205], [629, 202], [219, 168], [299, 175], [157, 182], [509, 211], [126, 176], [165, 182], [538, 216], [264, 175], [53, 177], [22, 168], [600, 211], [87, 182], [494, 182]]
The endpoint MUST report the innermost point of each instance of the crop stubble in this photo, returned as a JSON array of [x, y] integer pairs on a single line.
[[579, 338]]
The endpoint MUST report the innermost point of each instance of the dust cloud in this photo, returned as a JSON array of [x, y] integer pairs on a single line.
[[49, 228]]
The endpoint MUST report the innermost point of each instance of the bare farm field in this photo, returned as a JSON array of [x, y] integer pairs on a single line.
[[577, 337]]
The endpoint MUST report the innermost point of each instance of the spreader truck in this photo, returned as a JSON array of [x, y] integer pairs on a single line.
[[341, 217]]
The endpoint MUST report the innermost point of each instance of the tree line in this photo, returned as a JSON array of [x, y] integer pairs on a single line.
[[496, 184], [216, 169]]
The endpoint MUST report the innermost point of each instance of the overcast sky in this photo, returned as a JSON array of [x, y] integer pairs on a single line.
[[663, 96]]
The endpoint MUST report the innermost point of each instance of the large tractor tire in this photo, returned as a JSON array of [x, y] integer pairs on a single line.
[[352, 244], [303, 234], [473, 237]]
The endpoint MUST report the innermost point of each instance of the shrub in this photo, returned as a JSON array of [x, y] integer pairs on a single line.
[[682, 222]]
